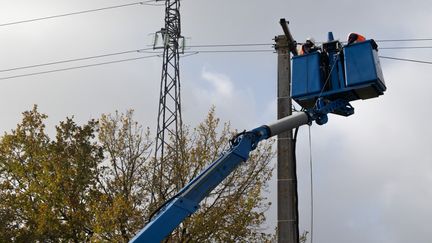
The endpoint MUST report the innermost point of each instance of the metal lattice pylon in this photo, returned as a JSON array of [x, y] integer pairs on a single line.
[[169, 113]]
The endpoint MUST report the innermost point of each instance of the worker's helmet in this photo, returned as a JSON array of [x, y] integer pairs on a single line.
[[352, 37], [310, 40]]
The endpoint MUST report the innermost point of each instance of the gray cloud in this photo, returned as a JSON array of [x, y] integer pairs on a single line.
[[371, 170]]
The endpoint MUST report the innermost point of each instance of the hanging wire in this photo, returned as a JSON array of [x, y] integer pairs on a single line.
[[406, 60], [77, 67], [404, 40], [231, 51], [73, 60], [327, 79], [405, 47], [187, 53], [311, 186], [233, 45], [294, 157], [79, 12]]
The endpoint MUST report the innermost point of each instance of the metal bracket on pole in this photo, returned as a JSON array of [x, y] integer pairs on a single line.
[[323, 108], [292, 44]]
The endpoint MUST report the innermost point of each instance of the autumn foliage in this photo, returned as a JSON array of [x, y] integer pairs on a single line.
[[100, 182]]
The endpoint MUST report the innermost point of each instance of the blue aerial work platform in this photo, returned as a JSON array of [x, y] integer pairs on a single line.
[[349, 72], [323, 82]]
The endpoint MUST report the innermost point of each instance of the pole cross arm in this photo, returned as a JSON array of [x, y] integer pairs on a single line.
[[292, 44]]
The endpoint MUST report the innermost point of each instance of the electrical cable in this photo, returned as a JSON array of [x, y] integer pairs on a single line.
[[272, 44], [271, 50], [189, 53], [405, 40], [327, 79], [405, 47], [193, 53], [158, 209], [295, 180], [406, 60], [99, 64], [80, 12], [311, 186], [381, 48], [231, 51], [72, 60], [233, 45], [77, 67]]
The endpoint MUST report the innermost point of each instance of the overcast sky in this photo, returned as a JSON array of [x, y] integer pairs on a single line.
[[372, 171]]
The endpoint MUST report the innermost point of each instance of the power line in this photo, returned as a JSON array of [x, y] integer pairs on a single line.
[[80, 12], [77, 67], [189, 53], [311, 187], [405, 47], [230, 51], [252, 51], [156, 54], [144, 50], [241, 45], [233, 45], [400, 40], [385, 40], [264, 44], [405, 59], [147, 50], [73, 60], [404, 40], [271, 44]]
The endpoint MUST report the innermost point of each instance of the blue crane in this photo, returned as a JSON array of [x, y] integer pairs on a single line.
[[353, 72]]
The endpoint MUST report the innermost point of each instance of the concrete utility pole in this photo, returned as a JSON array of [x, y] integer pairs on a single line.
[[287, 201]]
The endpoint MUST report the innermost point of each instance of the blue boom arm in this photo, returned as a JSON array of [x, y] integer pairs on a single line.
[[187, 200]]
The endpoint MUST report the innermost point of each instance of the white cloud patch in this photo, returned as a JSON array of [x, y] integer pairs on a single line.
[[233, 103], [222, 84]]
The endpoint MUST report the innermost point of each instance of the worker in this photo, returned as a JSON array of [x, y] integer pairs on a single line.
[[308, 47], [355, 38]]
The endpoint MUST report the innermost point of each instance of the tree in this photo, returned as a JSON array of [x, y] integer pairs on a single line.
[[235, 209], [100, 182], [233, 212], [123, 179], [46, 185]]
